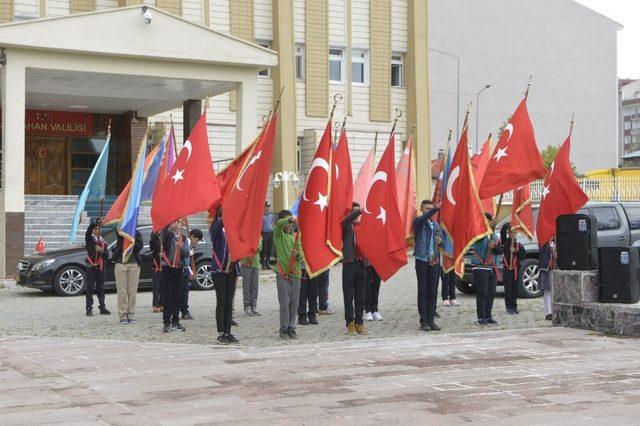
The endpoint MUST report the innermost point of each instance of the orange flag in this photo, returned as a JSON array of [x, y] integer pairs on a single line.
[[405, 180], [522, 213], [479, 164], [361, 184]]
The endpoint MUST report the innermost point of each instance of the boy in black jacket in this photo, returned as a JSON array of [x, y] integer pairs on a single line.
[[156, 247], [174, 253], [97, 255], [512, 255]]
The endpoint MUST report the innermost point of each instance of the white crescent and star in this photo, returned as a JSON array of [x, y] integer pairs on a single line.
[[545, 191], [189, 148], [178, 176], [251, 163], [453, 176], [318, 162], [502, 152], [382, 216], [378, 176], [509, 128], [323, 201]]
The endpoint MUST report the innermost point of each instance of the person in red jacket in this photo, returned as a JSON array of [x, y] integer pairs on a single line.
[[97, 255]]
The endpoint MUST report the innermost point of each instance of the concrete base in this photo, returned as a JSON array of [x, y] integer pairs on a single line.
[[575, 304]]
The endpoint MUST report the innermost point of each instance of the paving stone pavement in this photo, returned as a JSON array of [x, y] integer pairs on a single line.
[[527, 376], [27, 312]]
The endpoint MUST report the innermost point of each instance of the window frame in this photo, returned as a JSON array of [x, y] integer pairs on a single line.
[[265, 73], [300, 70], [338, 58], [400, 63], [608, 208], [360, 56]]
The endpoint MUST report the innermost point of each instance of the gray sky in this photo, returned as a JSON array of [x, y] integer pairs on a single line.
[[627, 13]]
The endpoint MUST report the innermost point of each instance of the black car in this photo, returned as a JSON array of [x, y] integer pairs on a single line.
[[63, 271]]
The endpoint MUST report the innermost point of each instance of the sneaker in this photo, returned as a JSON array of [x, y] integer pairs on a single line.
[[351, 329], [437, 315], [232, 339], [166, 328], [368, 316], [223, 339], [187, 316], [549, 317], [292, 334], [234, 323], [433, 326], [454, 302], [131, 320], [325, 312], [124, 321], [255, 313], [303, 321], [313, 321], [445, 302], [105, 311], [491, 321], [482, 322], [377, 316], [361, 330], [89, 313], [284, 335], [179, 327], [247, 312], [425, 327], [173, 327]]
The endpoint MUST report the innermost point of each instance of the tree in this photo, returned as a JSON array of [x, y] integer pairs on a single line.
[[549, 155]]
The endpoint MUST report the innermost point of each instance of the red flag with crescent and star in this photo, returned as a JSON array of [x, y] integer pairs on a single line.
[[561, 194], [313, 211], [381, 233], [341, 197], [461, 214], [243, 206], [361, 184], [479, 163], [405, 176], [191, 185], [521, 211], [516, 160]]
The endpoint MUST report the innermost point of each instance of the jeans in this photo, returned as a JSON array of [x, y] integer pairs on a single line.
[[171, 290], [428, 276], [95, 283], [353, 289], [184, 292], [156, 287], [510, 280], [485, 280], [267, 243], [373, 290], [323, 291], [127, 277], [449, 285], [225, 285], [309, 293], [288, 297]]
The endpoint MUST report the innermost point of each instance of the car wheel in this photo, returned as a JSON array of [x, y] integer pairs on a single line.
[[529, 286], [466, 288], [69, 281], [203, 279]]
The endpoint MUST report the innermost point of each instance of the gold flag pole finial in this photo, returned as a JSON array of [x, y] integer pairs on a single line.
[[466, 116], [571, 125], [109, 127], [526, 92], [413, 128], [336, 98], [395, 120]]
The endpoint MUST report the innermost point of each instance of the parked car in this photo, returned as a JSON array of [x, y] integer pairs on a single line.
[[64, 271], [618, 226]]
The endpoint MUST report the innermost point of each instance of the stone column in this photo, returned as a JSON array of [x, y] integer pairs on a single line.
[[13, 158], [247, 110], [191, 112]]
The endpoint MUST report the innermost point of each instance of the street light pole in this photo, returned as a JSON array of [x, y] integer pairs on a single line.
[[457, 58], [478, 111]]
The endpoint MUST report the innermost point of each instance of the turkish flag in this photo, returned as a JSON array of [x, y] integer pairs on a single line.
[[243, 205], [461, 215], [521, 211], [381, 234], [313, 211], [341, 197], [191, 184], [561, 194], [516, 160], [479, 164], [361, 184], [405, 175]]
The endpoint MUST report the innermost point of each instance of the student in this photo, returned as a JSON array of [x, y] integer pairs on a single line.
[[288, 271], [485, 271], [449, 288], [174, 253], [97, 255], [427, 254], [308, 306], [250, 280], [512, 255], [127, 272], [156, 247], [323, 294], [353, 274], [267, 237], [195, 236], [225, 274], [372, 283], [546, 262]]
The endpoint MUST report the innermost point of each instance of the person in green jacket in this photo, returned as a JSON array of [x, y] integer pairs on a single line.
[[250, 278], [289, 257]]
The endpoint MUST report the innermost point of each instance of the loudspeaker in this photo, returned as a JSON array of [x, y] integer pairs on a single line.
[[619, 274], [577, 237]]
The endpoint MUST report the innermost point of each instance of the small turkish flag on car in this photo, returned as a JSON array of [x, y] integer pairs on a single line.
[[40, 246]]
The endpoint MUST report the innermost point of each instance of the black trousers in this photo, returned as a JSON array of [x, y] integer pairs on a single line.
[[485, 280], [95, 283], [449, 285], [510, 281], [309, 296], [184, 292], [225, 285], [170, 290], [156, 285], [267, 245], [323, 291], [353, 289], [428, 276], [373, 290]]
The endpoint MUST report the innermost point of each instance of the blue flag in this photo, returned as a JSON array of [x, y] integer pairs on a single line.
[[153, 170], [129, 219], [94, 189]]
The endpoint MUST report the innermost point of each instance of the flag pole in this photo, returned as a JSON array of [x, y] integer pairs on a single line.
[[395, 121], [571, 125], [102, 199], [526, 92]]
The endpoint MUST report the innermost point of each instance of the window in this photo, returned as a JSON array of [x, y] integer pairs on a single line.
[[24, 11], [627, 125], [633, 213], [335, 65], [265, 44], [299, 153], [397, 71], [635, 124], [299, 62], [359, 68], [607, 217]]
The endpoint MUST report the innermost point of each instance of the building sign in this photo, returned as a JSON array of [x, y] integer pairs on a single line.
[[58, 123]]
